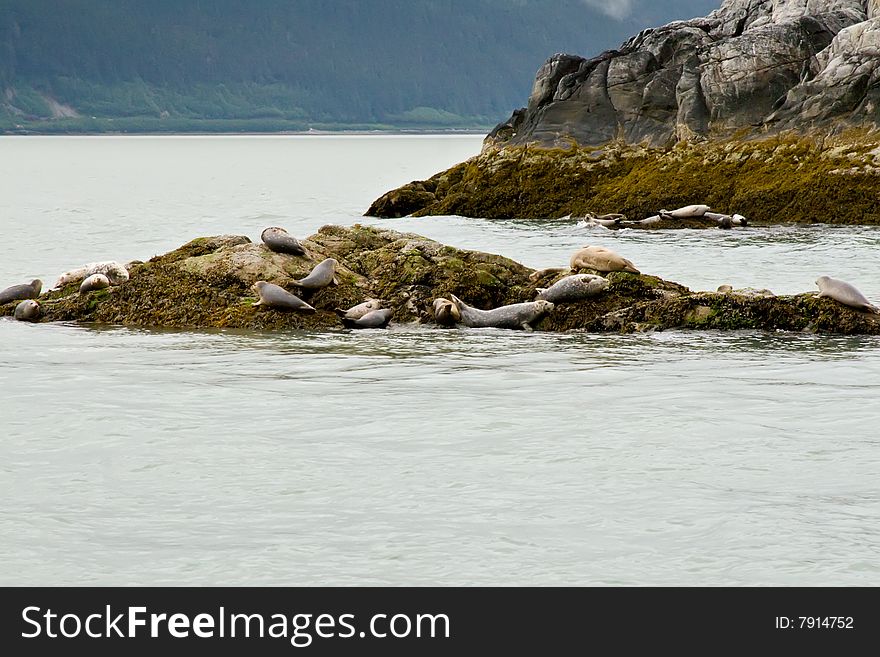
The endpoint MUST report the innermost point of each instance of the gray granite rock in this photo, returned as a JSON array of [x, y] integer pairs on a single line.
[[765, 64]]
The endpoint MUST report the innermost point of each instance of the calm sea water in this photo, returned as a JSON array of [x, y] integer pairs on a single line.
[[415, 456]]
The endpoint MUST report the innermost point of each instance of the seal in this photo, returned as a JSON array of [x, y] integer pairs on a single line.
[[514, 316], [28, 311], [322, 275], [844, 293], [601, 259], [605, 220], [445, 312], [687, 212], [538, 274], [573, 288], [276, 297], [18, 292], [373, 319], [114, 271], [94, 282], [358, 311], [278, 240]]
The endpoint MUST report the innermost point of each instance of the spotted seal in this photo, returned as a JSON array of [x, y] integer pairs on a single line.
[[280, 241], [28, 311], [94, 282], [322, 275], [358, 311], [373, 319], [514, 316], [844, 293], [445, 312], [19, 292], [600, 259], [276, 297], [573, 288]]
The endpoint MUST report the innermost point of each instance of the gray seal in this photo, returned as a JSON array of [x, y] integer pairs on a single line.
[[600, 259], [278, 240], [28, 311], [322, 275], [276, 297], [687, 212], [514, 316], [94, 282], [445, 312], [18, 292], [372, 319], [358, 311], [844, 293], [573, 288]]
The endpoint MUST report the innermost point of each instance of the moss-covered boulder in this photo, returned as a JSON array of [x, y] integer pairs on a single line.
[[781, 179], [207, 284]]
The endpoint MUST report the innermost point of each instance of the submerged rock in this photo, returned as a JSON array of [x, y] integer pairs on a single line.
[[207, 284]]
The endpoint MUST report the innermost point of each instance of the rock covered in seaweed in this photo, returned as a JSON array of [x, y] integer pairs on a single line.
[[207, 284], [779, 179]]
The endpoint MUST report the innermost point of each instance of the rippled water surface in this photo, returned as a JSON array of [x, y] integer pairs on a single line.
[[414, 455]]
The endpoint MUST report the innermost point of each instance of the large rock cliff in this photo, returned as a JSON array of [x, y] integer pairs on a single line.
[[766, 64]]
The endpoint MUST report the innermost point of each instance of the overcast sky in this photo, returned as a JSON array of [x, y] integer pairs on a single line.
[[614, 8]]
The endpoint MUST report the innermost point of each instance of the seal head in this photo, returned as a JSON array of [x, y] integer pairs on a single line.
[[28, 311]]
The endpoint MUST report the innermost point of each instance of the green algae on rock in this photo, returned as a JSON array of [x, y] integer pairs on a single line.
[[779, 179], [207, 282]]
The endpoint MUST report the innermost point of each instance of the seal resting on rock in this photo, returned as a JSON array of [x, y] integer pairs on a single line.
[[25, 291], [28, 311], [514, 316], [373, 319], [844, 293], [278, 240], [601, 259], [322, 275], [573, 288], [687, 212], [277, 298], [94, 282], [538, 274], [445, 312], [358, 311], [114, 271]]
